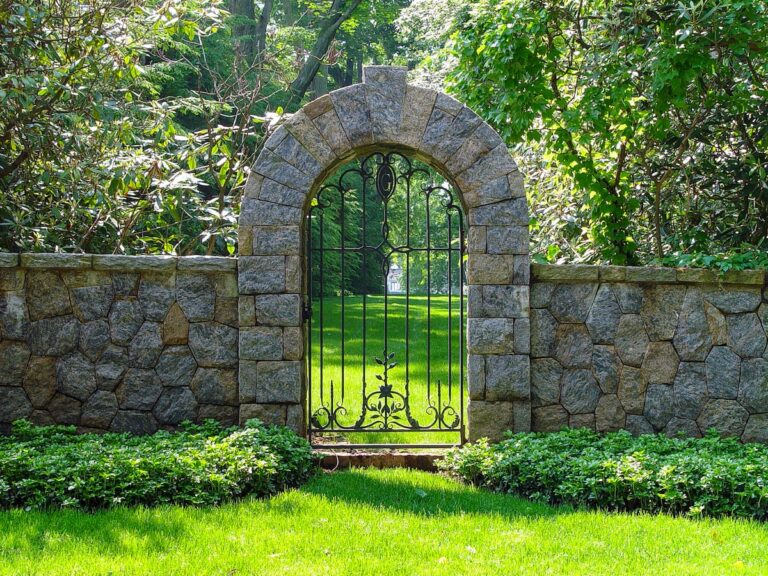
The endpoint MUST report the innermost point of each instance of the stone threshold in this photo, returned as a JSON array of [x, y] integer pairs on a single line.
[[342, 459], [117, 262], [645, 274]]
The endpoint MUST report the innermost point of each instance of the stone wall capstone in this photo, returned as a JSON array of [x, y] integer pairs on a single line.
[[649, 350]]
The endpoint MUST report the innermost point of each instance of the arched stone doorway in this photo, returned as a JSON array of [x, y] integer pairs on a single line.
[[385, 113]]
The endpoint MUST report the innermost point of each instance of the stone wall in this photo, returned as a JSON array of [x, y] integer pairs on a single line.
[[124, 343], [649, 350]]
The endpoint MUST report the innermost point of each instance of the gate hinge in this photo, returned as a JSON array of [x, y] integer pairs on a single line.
[[306, 312]]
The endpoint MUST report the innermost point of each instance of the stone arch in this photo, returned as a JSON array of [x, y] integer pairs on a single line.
[[385, 112]]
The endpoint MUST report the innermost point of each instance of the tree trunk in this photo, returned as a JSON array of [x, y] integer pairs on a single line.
[[260, 41], [349, 77], [244, 26], [320, 82], [328, 27]]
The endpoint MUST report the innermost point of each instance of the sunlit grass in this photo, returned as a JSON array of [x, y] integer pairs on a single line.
[[379, 523], [428, 350]]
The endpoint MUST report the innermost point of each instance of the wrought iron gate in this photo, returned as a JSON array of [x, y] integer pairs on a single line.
[[386, 302]]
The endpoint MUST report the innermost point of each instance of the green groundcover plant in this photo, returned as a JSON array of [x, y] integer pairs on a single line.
[[710, 476], [53, 466]]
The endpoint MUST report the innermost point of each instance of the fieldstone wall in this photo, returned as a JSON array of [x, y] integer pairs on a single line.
[[649, 350], [123, 343]]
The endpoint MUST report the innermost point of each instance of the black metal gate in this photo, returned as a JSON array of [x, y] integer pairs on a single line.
[[386, 312]]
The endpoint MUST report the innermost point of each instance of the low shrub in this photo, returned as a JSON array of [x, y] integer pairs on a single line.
[[710, 476], [53, 466]]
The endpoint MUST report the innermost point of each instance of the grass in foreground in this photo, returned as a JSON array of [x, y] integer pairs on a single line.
[[380, 523]]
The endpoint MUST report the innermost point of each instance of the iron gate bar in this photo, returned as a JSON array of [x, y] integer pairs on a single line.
[[380, 168]]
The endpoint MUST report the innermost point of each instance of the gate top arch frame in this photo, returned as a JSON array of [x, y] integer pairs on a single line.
[[384, 112]]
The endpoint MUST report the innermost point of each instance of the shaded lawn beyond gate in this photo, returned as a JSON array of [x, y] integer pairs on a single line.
[[432, 355], [383, 523]]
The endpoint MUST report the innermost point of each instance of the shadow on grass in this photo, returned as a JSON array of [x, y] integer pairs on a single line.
[[423, 494]]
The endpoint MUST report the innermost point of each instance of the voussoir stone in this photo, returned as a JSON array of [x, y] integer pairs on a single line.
[[604, 316], [728, 417], [746, 335], [659, 405], [507, 377], [352, 109], [175, 405], [176, 366], [99, 410], [76, 376], [660, 363], [753, 388], [660, 310], [631, 340], [723, 370], [579, 393], [573, 346], [213, 344], [572, 302], [545, 381], [13, 361], [690, 389], [53, 336], [196, 295], [139, 389]]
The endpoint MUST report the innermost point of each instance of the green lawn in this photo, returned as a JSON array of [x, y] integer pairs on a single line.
[[380, 523], [415, 356]]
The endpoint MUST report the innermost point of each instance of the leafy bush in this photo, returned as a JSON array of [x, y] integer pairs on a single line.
[[200, 465], [711, 476]]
